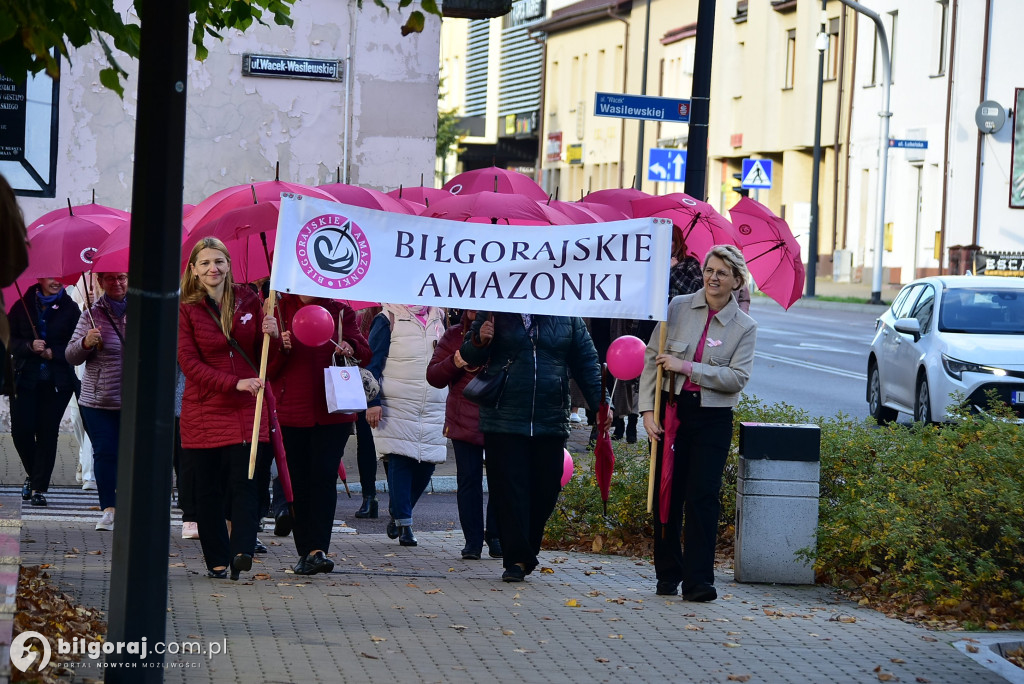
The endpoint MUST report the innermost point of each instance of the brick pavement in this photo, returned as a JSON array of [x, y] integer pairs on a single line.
[[394, 614]]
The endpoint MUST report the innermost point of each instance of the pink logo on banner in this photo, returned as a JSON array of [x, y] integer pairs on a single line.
[[333, 251]]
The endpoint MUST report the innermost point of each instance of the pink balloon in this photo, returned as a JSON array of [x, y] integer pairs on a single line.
[[313, 325], [626, 357], [566, 467]]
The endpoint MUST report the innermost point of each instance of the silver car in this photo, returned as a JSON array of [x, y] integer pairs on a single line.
[[947, 336]]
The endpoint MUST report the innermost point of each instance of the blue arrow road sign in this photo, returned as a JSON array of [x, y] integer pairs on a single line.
[[666, 166], [757, 173], [909, 144], [641, 107]]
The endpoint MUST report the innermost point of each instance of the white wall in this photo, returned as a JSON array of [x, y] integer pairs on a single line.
[[239, 127]]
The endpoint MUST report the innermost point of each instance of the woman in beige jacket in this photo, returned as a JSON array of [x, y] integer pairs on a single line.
[[708, 355]]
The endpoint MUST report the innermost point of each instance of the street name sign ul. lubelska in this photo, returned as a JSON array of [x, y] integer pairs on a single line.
[[641, 107]]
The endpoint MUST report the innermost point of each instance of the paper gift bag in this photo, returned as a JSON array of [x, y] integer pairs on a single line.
[[344, 387]]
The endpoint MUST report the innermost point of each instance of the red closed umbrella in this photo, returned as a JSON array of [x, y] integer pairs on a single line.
[[604, 456], [494, 179], [670, 426]]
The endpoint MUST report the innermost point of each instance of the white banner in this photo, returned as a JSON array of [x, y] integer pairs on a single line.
[[617, 269]]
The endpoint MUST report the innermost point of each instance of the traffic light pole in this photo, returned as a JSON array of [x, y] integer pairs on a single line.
[[700, 103], [812, 240]]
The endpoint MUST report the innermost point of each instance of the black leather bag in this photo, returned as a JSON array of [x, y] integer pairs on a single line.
[[487, 387]]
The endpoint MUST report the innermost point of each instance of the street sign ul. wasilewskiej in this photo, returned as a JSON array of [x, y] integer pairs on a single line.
[[641, 107]]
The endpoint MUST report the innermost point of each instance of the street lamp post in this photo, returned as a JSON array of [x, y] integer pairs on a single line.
[[821, 42], [883, 147], [638, 182]]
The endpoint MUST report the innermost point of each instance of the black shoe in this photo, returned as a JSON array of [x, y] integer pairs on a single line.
[[218, 574], [494, 547], [26, 489], [283, 524], [260, 547], [240, 563], [667, 588], [513, 574], [369, 508], [470, 554], [302, 567], [392, 529], [405, 536], [319, 562], [700, 594], [38, 499]]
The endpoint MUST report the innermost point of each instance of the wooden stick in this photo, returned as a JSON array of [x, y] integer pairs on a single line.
[[259, 395], [657, 421]]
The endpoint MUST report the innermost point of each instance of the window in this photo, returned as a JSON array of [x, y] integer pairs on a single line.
[[876, 57], [893, 17], [832, 51], [923, 308], [790, 75], [942, 16]]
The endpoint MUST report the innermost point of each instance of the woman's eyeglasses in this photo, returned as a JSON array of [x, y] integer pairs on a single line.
[[710, 273], [115, 279]]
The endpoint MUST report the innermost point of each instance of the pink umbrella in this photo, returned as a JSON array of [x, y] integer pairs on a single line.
[[772, 253], [576, 213], [64, 248], [493, 207], [604, 456], [494, 179], [670, 426], [78, 210], [112, 254], [419, 194], [223, 201], [364, 197], [604, 212], [701, 225], [619, 198]]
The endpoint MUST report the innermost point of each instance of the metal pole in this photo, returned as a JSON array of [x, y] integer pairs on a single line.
[[138, 578], [643, 91], [700, 102], [812, 241], [883, 147]]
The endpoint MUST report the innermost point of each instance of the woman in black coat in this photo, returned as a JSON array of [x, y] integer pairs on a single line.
[[525, 433], [42, 323]]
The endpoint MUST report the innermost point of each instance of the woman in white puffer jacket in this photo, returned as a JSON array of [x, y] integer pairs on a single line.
[[407, 416]]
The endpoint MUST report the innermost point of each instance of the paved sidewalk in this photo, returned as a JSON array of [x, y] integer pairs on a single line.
[[393, 614]]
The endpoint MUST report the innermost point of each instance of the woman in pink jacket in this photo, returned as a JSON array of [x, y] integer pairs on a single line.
[[313, 438], [220, 336], [98, 342]]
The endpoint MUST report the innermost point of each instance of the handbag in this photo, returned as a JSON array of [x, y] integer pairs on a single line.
[[344, 388], [371, 388], [487, 387]]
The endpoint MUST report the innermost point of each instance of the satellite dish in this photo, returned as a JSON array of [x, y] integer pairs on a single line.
[[990, 116]]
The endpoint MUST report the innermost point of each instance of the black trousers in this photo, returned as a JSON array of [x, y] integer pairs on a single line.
[[223, 491], [701, 449], [35, 424], [524, 475], [469, 472], [184, 475], [313, 457]]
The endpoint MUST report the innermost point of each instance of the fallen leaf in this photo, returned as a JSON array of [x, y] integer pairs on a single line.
[[414, 586], [286, 597], [75, 550], [731, 644], [739, 678], [261, 576], [217, 595], [694, 628], [458, 628], [614, 636], [377, 639], [971, 648], [593, 610], [886, 676], [748, 618], [898, 661], [928, 638], [922, 680], [595, 592], [507, 632], [601, 660], [572, 603], [547, 571], [176, 565], [732, 634], [433, 591], [426, 615], [522, 650], [367, 655], [95, 553]]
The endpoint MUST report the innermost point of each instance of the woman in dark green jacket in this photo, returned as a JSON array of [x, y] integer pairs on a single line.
[[524, 435]]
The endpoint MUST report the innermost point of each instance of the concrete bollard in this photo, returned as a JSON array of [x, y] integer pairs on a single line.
[[776, 502]]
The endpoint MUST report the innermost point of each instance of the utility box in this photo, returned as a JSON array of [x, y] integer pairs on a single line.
[[776, 502], [842, 265]]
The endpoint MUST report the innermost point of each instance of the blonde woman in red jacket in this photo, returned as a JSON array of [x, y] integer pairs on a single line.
[[313, 438], [220, 336]]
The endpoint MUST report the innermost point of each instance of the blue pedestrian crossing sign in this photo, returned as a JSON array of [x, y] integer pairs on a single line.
[[757, 173], [666, 165]]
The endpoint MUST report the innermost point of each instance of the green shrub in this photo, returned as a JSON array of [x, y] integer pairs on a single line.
[[919, 515]]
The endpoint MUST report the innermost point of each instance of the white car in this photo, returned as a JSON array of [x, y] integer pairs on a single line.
[[947, 335]]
